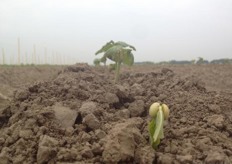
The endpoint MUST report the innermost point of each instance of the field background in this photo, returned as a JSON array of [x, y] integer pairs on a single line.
[[76, 114]]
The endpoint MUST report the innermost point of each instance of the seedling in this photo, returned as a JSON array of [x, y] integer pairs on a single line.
[[96, 62], [119, 52], [158, 113]]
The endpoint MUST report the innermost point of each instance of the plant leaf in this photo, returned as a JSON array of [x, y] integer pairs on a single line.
[[114, 52], [123, 44], [151, 128], [104, 48], [128, 57], [103, 59], [159, 125]]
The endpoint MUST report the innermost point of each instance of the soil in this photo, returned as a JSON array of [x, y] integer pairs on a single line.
[[80, 116]]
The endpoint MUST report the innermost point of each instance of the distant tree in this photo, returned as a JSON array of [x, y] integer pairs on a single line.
[[179, 62], [221, 61], [202, 61]]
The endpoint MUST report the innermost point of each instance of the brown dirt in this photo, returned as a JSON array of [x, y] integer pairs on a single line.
[[19, 77], [14, 77], [216, 77], [81, 117]]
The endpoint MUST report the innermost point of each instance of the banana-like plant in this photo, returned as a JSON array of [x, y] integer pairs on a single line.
[[119, 52], [159, 113]]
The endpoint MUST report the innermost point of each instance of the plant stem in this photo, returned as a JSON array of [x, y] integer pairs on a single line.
[[118, 64]]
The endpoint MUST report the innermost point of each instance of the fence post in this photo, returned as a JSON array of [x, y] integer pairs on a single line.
[[18, 51]]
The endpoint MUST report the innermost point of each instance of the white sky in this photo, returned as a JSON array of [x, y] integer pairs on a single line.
[[159, 29]]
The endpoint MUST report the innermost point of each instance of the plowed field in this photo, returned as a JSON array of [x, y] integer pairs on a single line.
[[78, 115]]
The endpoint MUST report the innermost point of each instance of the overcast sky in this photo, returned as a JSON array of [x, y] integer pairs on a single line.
[[159, 29]]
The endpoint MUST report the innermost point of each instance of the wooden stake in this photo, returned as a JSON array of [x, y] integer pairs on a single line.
[[18, 51], [34, 55], [45, 55], [26, 59], [3, 56]]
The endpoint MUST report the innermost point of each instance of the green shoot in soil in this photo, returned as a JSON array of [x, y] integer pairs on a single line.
[[159, 113]]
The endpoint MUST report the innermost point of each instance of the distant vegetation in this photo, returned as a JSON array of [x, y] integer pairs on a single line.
[[200, 60]]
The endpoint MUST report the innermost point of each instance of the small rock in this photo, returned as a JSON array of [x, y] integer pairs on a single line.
[[85, 137], [48, 141], [87, 153], [216, 158], [144, 155], [30, 123], [97, 149], [4, 156], [216, 120], [69, 131], [45, 154], [67, 154], [121, 141], [100, 134], [122, 92], [22, 95], [111, 98], [215, 108], [46, 149], [136, 108], [183, 120], [4, 159], [64, 115], [19, 159], [26, 134], [87, 108], [125, 113], [185, 159], [173, 148], [91, 121], [136, 90], [2, 140], [165, 158]]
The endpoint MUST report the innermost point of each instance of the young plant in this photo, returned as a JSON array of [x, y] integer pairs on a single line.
[[103, 60], [120, 53], [96, 62], [158, 113]]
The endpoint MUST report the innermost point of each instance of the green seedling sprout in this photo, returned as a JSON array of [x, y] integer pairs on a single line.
[[103, 60], [119, 52], [96, 62], [158, 113]]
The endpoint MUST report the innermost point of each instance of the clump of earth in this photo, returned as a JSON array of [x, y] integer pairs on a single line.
[[81, 116]]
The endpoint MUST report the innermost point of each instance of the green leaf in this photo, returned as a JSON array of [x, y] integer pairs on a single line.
[[105, 47], [159, 125], [161, 135], [151, 128], [123, 44], [128, 57], [103, 59], [114, 52]]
